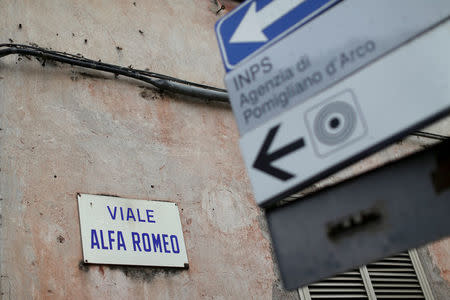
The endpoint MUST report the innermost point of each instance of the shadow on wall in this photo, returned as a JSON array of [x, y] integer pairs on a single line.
[[146, 274]]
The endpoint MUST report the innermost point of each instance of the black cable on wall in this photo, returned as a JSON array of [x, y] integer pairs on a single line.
[[161, 81]]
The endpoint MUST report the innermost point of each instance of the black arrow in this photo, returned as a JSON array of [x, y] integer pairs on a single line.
[[264, 159]]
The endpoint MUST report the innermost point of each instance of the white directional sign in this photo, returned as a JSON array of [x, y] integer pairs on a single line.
[[131, 232], [404, 90], [309, 95], [285, 72]]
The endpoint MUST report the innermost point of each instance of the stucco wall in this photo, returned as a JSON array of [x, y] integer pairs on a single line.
[[435, 259], [66, 130]]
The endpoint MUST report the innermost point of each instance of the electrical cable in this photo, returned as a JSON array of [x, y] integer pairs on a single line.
[[164, 82], [431, 135], [160, 81]]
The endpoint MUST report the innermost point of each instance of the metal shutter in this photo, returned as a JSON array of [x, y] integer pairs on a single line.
[[397, 277], [349, 285]]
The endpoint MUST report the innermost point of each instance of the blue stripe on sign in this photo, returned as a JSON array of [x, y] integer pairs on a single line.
[[234, 53]]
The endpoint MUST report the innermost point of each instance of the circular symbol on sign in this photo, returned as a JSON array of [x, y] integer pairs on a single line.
[[335, 123]]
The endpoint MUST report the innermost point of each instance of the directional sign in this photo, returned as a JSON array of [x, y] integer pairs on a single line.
[[291, 68], [308, 95], [401, 92], [258, 23]]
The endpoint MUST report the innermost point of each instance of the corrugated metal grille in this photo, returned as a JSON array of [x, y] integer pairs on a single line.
[[391, 278], [347, 285], [395, 278]]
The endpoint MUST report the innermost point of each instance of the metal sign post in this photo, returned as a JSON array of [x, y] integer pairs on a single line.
[[363, 219]]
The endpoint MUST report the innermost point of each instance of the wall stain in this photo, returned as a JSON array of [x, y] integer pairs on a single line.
[[60, 239], [83, 266], [151, 94], [101, 270], [146, 274]]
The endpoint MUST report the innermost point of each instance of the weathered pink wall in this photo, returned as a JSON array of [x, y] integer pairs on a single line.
[[440, 253], [65, 131]]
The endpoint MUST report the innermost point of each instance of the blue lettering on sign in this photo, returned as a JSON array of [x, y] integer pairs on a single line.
[[131, 215], [139, 216], [136, 240], [111, 238], [110, 243], [173, 242], [156, 242], [120, 241], [165, 243], [113, 216], [114, 240], [146, 242], [143, 241], [94, 239], [149, 216], [255, 24], [103, 239]]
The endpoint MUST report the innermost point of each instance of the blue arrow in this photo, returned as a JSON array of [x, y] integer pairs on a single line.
[[250, 30]]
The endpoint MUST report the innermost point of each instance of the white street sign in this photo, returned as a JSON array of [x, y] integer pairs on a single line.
[[345, 37], [131, 232], [399, 92]]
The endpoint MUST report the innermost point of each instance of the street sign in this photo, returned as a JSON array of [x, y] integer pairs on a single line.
[[308, 97], [401, 92], [256, 24], [397, 207], [131, 232], [287, 70]]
